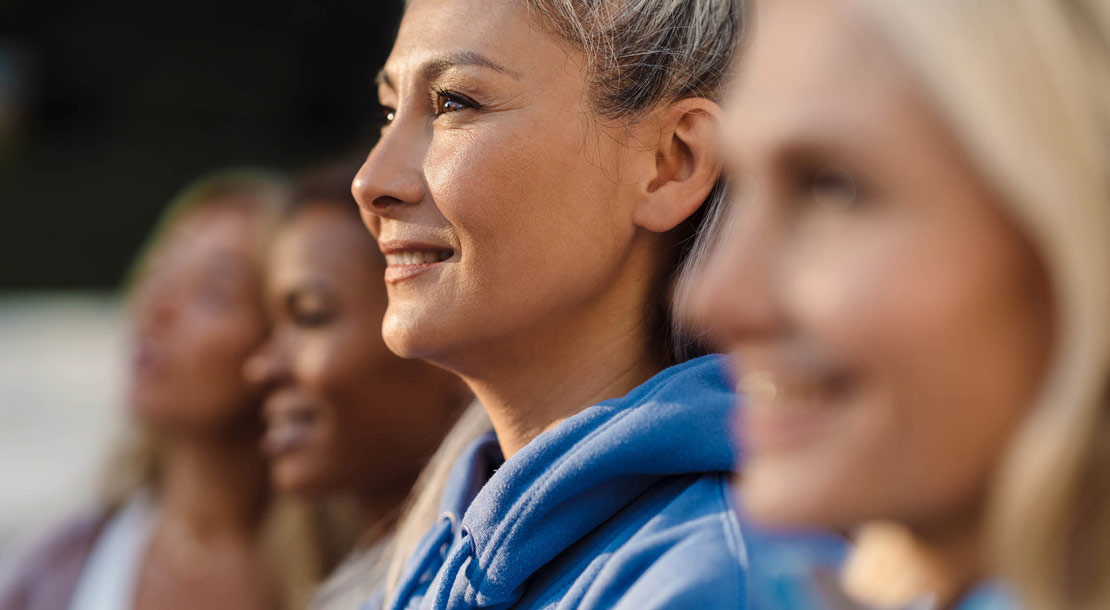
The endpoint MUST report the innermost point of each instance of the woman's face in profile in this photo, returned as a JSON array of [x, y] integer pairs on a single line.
[[889, 324], [342, 411], [496, 197], [197, 311]]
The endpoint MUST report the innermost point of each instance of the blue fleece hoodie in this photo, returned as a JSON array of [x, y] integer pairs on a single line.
[[624, 505]]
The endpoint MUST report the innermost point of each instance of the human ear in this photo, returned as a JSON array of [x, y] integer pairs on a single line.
[[687, 164]]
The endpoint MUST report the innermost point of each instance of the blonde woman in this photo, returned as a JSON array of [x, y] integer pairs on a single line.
[[914, 285], [188, 520]]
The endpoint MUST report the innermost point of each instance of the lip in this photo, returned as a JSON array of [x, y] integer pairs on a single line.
[[291, 425], [790, 395], [783, 413], [399, 272]]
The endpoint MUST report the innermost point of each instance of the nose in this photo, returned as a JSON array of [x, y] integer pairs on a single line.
[[736, 292], [268, 367], [392, 177]]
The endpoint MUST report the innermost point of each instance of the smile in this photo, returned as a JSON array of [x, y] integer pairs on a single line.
[[417, 257]]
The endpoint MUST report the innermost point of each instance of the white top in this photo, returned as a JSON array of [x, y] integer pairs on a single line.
[[111, 573], [352, 583]]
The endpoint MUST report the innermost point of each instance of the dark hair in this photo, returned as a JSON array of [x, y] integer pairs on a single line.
[[328, 183]]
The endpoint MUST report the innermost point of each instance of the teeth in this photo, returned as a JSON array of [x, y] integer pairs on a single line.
[[417, 257], [763, 390]]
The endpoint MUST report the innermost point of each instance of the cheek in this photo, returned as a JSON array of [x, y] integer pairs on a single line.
[[339, 366], [520, 195], [217, 349], [942, 336]]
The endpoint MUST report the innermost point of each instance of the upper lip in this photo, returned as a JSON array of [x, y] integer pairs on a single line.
[[787, 365], [396, 246], [281, 405]]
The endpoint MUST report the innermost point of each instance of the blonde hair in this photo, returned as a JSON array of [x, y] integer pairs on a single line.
[[422, 508], [640, 55], [302, 540], [1025, 87]]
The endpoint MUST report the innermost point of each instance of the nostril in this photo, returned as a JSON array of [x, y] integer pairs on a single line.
[[385, 201]]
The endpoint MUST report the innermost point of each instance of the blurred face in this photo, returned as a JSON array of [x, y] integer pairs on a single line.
[[499, 204], [889, 324], [198, 314], [342, 411]]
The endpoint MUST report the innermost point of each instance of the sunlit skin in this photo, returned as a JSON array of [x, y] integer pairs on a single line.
[[198, 315], [550, 221], [343, 412], [888, 322]]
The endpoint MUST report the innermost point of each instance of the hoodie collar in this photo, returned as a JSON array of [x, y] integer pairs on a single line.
[[571, 479]]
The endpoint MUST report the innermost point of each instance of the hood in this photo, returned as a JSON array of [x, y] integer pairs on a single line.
[[571, 479]]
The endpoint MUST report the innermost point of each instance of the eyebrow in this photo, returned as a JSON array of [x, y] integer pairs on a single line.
[[433, 68]]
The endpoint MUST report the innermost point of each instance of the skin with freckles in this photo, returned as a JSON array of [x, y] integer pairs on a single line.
[[890, 324], [343, 412], [552, 222]]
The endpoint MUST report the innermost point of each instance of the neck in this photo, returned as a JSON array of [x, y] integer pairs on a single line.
[[941, 560], [543, 375], [213, 488]]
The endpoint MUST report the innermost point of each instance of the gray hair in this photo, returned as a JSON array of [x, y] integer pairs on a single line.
[[641, 55]]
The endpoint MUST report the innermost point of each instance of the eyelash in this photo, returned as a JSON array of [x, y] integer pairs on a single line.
[[833, 185], [440, 97]]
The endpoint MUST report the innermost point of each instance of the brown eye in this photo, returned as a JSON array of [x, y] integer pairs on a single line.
[[448, 101], [309, 309], [445, 105], [833, 186]]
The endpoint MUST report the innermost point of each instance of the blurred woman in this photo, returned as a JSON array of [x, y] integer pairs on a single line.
[[343, 413], [188, 520], [546, 170], [914, 285]]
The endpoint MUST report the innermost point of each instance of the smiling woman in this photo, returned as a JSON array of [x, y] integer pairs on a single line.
[[545, 173], [343, 414], [915, 285], [188, 519]]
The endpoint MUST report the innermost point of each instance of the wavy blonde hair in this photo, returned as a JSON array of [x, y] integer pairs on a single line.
[[1025, 87]]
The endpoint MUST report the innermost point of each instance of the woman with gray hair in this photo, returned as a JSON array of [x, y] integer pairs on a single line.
[[543, 183]]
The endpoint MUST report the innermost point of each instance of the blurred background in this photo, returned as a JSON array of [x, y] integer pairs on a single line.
[[107, 109]]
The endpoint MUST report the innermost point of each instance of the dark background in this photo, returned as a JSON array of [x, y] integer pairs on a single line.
[[108, 108]]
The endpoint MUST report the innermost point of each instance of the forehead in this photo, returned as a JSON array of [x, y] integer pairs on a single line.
[[223, 228], [502, 30], [321, 239], [813, 66]]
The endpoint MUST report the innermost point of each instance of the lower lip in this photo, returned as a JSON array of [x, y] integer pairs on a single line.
[[286, 439], [398, 273]]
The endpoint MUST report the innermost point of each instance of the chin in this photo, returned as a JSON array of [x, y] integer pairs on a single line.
[[416, 334], [297, 479], [784, 498]]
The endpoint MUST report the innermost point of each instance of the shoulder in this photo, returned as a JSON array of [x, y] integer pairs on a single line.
[[45, 575]]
